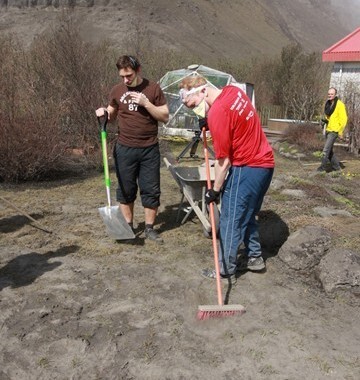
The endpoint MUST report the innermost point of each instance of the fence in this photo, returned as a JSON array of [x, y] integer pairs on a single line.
[[270, 112]]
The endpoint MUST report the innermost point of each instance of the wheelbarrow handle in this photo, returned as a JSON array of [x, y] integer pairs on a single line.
[[103, 120]]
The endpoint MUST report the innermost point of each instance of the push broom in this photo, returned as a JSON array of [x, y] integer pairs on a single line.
[[219, 310]]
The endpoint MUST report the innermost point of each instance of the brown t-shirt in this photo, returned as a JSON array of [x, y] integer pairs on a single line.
[[137, 128]]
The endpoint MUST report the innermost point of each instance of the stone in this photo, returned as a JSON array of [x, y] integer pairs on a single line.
[[340, 269], [305, 247], [327, 211]]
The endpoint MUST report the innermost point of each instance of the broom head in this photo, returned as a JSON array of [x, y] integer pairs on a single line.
[[219, 311]]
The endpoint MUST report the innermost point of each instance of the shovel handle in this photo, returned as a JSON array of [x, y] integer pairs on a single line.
[[103, 120]]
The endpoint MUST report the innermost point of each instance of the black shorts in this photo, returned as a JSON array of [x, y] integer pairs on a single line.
[[138, 167]]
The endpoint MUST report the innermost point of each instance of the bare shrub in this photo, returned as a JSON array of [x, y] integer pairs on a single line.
[[295, 81], [305, 135], [352, 101], [33, 153], [49, 94], [71, 75], [27, 149]]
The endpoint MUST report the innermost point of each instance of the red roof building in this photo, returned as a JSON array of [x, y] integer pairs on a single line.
[[346, 50], [345, 55]]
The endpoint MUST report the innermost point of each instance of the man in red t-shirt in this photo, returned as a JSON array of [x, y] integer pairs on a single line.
[[243, 169], [139, 105]]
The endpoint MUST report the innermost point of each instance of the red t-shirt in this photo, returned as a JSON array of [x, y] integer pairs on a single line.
[[137, 128], [236, 130]]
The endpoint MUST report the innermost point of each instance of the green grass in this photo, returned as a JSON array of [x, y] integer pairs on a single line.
[[43, 362], [340, 189]]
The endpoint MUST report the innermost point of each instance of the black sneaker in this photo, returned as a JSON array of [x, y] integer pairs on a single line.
[[321, 169], [256, 263], [211, 274], [151, 234]]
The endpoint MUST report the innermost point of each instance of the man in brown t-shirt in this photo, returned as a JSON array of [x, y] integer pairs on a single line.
[[140, 104]]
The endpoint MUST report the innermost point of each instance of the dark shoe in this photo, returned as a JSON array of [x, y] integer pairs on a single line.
[[211, 274], [151, 234], [321, 169], [336, 169], [242, 266], [256, 264]]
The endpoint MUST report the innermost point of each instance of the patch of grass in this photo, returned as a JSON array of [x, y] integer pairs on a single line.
[[265, 333], [75, 362], [340, 189], [298, 343], [268, 370], [299, 221], [323, 365], [278, 197], [335, 174], [285, 147], [353, 363], [255, 354], [149, 347], [317, 154], [353, 207], [294, 180], [348, 242], [43, 362]]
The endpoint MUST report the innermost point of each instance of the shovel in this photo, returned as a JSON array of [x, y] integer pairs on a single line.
[[116, 225]]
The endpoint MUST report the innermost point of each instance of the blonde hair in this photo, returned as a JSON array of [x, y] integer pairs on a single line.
[[189, 83]]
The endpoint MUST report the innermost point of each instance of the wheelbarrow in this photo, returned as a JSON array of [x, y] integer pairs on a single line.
[[192, 184]]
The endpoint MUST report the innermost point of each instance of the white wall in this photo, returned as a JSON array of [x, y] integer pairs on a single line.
[[343, 74]]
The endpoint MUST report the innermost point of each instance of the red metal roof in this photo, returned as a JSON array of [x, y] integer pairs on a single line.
[[347, 49]]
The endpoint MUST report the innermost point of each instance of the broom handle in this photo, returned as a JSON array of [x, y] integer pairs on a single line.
[[212, 220], [40, 226]]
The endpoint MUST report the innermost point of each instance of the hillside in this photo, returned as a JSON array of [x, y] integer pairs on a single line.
[[210, 28]]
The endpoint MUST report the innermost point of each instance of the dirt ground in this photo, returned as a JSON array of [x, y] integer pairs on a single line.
[[76, 304]]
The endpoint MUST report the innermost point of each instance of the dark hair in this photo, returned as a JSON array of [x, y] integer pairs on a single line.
[[126, 61]]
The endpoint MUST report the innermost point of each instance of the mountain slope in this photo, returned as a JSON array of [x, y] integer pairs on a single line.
[[211, 28]]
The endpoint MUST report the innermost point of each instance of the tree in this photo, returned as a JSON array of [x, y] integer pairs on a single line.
[[300, 81]]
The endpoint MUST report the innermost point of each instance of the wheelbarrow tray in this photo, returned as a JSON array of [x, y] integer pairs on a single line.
[[192, 183]]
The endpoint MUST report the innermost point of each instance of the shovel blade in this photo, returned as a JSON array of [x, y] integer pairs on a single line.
[[116, 225]]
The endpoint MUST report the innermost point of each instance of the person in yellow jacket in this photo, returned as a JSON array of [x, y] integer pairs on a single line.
[[335, 119]]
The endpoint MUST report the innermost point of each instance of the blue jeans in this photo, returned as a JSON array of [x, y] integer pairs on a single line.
[[328, 153], [242, 197]]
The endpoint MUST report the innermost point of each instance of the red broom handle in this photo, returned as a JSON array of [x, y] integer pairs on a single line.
[[212, 220]]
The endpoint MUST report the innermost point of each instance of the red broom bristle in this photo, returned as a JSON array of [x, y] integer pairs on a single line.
[[204, 315]]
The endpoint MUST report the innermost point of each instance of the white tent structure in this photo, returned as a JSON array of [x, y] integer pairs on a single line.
[[182, 120]]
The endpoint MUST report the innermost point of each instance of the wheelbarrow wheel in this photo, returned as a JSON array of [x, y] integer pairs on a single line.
[[207, 232]]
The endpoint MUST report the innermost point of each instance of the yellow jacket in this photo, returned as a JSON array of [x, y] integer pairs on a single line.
[[338, 119]]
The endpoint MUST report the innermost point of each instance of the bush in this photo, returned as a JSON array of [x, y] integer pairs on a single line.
[[306, 135], [49, 94], [352, 101]]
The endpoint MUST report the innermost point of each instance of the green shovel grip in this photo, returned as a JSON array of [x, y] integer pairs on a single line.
[[105, 159], [103, 120]]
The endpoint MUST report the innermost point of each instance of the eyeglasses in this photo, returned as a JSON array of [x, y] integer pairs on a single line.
[[184, 94]]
